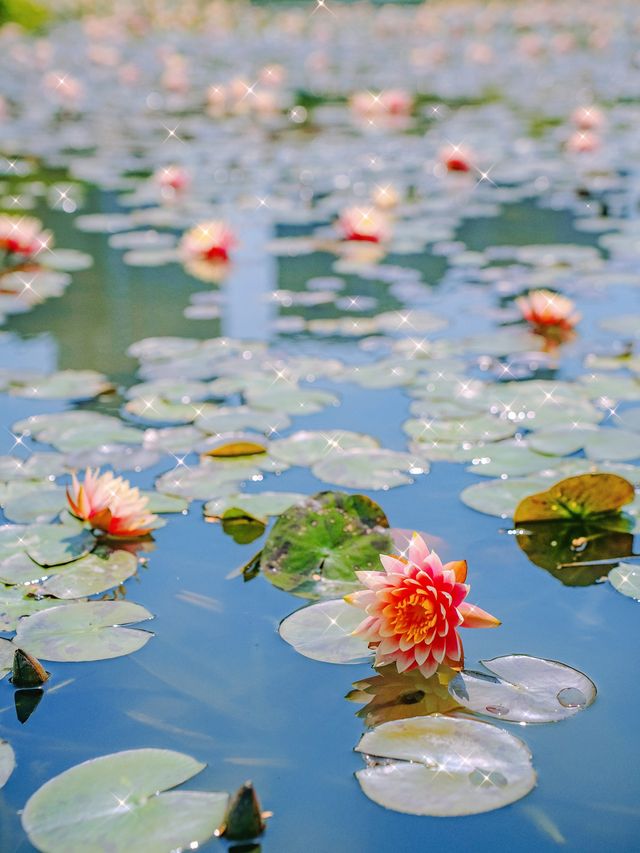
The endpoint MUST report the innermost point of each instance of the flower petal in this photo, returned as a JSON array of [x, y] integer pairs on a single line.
[[475, 617]]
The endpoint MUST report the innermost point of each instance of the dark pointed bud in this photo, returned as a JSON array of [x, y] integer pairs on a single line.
[[27, 671], [244, 818], [26, 702]]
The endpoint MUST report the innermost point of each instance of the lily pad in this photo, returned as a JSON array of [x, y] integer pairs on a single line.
[[291, 400], [611, 444], [524, 689], [7, 762], [585, 496], [256, 505], [444, 766], [91, 575], [60, 543], [500, 497], [227, 419], [65, 385], [626, 579], [461, 430], [16, 603], [323, 632], [369, 468], [40, 505], [315, 547], [307, 447], [90, 630], [513, 458], [122, 802]]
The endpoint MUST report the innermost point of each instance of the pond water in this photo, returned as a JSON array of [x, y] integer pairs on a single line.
[[216, 680]]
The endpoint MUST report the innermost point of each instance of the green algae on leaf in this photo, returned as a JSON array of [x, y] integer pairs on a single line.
[[524, 689], [123, 802], [315, 547], [84, 631], [444, 766], [323, 632]]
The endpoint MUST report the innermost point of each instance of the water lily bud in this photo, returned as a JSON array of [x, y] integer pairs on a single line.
[[244, 818], [27, 670]]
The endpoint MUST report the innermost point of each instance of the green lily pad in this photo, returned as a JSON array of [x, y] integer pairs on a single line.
[[209, 480], [7, 651], [626, 579], [307, 447], [323, 632], [257, 505], [122, 802], [513, 458], [156, 410], [20, 569], [170, 390], [39, 505], [500, 497], [524, 689], [83, 631], [596, 385], [65, 385], [462, 431], [227, 419], [291, 400], [161, 504], [315, 547], [15, 602], [599, 444], [90, 575], [60, 543], [39, 466], [7, 762], [444, 766], [369, 468]]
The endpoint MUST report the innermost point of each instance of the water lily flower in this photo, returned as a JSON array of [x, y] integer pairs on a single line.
[[208, 241], [456, 158], [388, 103], [550, 314], [414, 609], [22, 238], [582, 142], [386, 197], [366, 225], [588, 118], [172, 179], [110, 504]]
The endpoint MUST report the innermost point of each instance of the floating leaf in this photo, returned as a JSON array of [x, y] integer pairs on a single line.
[[15, 603], [581, 497], [460, 431], [500, 497], [598, 443], [364, 468], [626, 579], [444, 766], [256, 505], [291, 400], [90, 575], [315, 547], [224, 420], [7, 762], [229, 446], [307, 447], [65, 385], [323, 632], [7, 652], [524, 689], [121, 802], [83, 631], [39, 505], [60, 543], [513, 458]]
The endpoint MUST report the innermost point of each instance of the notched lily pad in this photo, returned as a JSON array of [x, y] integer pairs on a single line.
[[83, 631], [524, 689], [444, 766], [582, 497], [323, 632], [122, 802]]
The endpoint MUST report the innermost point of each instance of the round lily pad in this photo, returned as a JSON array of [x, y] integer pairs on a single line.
[[39, 505], [500, 497], [7, 762], [369, 468], [90, 575], [291, 400], [307, 447], [323, 632], [122, 802], [257, 505], [83, 631], [444, 766], [626, 579], [524, 689]]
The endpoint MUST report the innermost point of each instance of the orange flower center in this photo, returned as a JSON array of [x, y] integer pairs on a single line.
[[414, 616]]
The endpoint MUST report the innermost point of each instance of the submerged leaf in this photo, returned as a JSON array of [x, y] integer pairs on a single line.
[[444, 766], [525, 689], [121, 802]]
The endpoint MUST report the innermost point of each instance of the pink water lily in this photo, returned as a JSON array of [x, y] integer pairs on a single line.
[[208, 241], [22, 237], [550, 315], [365, 225], [110, 504], [414, 609]]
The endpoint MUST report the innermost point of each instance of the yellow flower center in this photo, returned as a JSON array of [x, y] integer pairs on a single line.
[[414, 616]]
